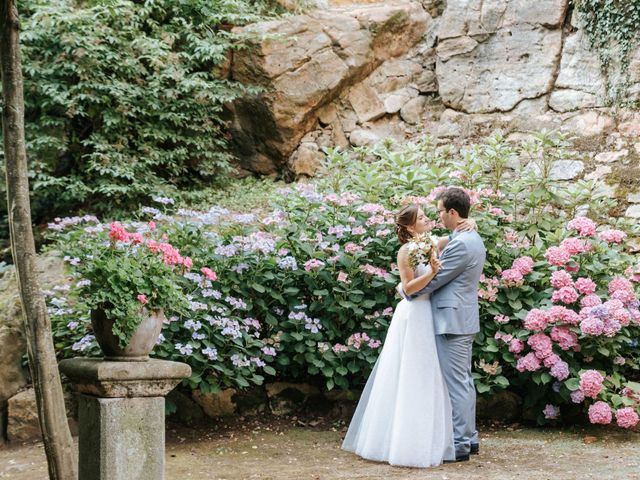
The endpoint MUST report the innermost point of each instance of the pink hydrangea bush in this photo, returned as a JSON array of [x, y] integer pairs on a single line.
[[579, 324]]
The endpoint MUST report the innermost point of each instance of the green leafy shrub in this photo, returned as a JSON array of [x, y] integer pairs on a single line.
[[317, 272], [125, 99]]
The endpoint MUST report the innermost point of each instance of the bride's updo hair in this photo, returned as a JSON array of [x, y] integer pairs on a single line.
[[406, 217]]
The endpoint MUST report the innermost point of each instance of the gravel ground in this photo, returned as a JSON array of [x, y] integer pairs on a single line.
[[292, 449]]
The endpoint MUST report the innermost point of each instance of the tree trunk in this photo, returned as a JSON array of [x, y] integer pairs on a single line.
[[58, 443]]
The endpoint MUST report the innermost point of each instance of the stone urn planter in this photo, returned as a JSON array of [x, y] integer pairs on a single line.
[[141, 343]]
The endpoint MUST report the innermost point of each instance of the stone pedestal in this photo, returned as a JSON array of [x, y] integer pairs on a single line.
[[121, 416]]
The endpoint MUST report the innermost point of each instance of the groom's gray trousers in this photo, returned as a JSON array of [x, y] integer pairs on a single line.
[[454, 353], [456, 320]]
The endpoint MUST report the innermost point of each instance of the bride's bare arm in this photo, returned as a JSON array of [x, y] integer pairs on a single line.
[[442, 243], [410, 283], [466, 225]]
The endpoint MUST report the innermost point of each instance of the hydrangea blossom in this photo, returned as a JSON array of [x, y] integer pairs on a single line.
[[627, 417], [611, 327], [613, 236], [591, 383], [375, 271], [560, 279], [226, 250], [551, 412], [561, 314], [211, 353], [564, 337], [566, 295], [536, 320], [512, 278], [343, 277], [557, 256], [592, 326], [357, 339], [60, 224], [577, 396], [163, 200], [82, 344], [585, 286], [585, 226], [590, 301], [184, 349], [490, 291], [339, 348], [575, 246], [258, 362], [560, 370], [516, 346], [269, 351], [600, 413], [313, 265], [530, 362], [192, 325], [524, 265], [236, 302], [541, 345], [352, 248], [288, 263], [240, 360]]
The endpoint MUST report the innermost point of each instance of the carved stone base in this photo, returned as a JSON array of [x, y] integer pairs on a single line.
[[121, 416]]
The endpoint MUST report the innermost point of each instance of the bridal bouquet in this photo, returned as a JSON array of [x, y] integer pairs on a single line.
[[421, 249]]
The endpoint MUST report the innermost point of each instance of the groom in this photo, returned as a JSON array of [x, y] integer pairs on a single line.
[[454, 302]]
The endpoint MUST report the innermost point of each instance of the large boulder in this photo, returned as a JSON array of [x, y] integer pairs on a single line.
[[287, 398], [216, 405], [504, 406], [580, 83], [493, 55], [23, 422], [13, 376], [303, 63], [22, 416]]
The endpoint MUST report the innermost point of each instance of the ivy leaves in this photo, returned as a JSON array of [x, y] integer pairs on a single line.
[[612, 28]]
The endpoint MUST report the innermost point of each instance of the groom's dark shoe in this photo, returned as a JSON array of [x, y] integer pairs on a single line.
[[459, 458], [475, 449]]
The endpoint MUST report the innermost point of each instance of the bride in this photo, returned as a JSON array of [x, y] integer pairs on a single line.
[[404, 414]]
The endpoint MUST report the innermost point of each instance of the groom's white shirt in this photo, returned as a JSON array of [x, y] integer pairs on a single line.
[[454, 289]]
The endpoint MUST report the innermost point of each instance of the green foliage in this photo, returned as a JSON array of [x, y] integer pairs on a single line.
[[317, 273], [125, 99], [613, 27]]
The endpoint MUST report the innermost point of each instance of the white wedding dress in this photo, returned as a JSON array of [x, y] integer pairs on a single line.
[[404, 414]]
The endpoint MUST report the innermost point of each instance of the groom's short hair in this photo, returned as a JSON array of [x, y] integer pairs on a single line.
[[456, 198]]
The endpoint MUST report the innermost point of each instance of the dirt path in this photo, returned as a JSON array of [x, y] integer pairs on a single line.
[[268, 449]]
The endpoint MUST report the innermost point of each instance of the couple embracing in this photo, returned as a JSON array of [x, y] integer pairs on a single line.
[[418, 406]]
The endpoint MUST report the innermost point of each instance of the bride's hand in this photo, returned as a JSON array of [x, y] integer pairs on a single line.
[[435, 263], [467, 225]]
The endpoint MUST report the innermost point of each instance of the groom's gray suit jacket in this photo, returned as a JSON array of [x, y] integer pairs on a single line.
[[454, 290]]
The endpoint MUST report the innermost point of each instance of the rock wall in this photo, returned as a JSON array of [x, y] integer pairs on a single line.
[[350, 73], [13, 375], [305, 62]]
